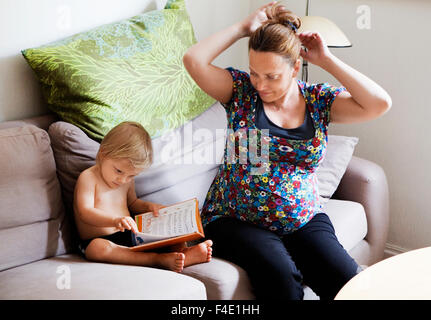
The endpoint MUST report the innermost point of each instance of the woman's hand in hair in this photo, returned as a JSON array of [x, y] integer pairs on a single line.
[[363, 100], [317, 50], [257, 18]]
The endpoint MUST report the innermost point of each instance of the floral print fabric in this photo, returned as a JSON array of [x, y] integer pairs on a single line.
[[283, 195]]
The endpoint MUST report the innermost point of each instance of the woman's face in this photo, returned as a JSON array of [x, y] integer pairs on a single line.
[[271, 75]]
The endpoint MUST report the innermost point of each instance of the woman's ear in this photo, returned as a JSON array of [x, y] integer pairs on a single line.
[[296, 68]]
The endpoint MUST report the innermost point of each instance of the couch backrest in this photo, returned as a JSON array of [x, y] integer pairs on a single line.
[[33, 223], [185, 159]]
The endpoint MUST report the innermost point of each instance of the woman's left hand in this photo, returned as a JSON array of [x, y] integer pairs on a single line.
[[317, 50]]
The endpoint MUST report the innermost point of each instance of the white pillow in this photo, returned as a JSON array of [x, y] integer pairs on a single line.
[[338, 155]]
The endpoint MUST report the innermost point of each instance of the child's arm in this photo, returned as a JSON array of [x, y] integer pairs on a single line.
[[87, 213], [137, 206]]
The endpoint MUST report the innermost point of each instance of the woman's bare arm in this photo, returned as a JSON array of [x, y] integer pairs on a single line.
[[365, 99], [215, 81]]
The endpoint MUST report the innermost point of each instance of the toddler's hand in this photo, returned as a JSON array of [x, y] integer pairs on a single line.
[[122, 223], [155, 207]]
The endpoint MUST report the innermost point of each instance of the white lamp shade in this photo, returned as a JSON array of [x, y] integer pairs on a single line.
[[333, 36]]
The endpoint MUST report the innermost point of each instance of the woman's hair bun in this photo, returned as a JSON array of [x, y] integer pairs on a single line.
[[281, 15], [278, 34]]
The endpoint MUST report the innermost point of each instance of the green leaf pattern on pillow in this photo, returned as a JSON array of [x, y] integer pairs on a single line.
[[129, 70]]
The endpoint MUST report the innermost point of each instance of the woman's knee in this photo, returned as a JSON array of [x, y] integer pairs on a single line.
[[98, 249]]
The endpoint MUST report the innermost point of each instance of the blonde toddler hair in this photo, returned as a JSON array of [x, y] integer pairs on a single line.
[[128, 140]]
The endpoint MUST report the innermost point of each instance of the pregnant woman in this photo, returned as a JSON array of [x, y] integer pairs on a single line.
[[271, 222]]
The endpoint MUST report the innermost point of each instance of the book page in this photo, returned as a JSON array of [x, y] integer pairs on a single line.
[[141, 238], [172, 221]]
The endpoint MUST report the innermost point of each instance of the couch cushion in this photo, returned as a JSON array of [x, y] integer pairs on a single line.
[[223, 280], [74, 152], [349, 220], [128, 70], [31, 209], [27, 171], [49, 279], [338, 155], [194, 187]]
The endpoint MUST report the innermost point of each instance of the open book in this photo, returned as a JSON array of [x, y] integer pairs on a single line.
[[176, 223]]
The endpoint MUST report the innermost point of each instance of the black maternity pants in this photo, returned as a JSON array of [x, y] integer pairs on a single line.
[[279, 266]]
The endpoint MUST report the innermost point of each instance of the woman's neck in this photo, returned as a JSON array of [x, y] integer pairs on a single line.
[[290, 100]]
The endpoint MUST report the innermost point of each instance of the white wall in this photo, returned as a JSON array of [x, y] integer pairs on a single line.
[[395, 52], [211, 16]]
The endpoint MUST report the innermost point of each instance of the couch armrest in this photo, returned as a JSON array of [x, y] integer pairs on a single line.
[[365, 182]]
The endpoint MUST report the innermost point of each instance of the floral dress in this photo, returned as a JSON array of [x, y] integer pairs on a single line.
[[279, 193]]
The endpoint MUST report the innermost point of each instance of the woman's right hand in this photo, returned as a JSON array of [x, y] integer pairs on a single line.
[[257, 18]]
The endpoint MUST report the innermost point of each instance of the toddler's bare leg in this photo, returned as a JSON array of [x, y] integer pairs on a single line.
[[102, 250]]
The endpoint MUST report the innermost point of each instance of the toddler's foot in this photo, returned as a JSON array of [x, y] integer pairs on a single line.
[[173, 261], [199, 253]]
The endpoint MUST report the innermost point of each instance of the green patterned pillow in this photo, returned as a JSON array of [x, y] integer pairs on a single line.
[[129, 70]]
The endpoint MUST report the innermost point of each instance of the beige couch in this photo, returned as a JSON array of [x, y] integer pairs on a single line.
[[38, 258]]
